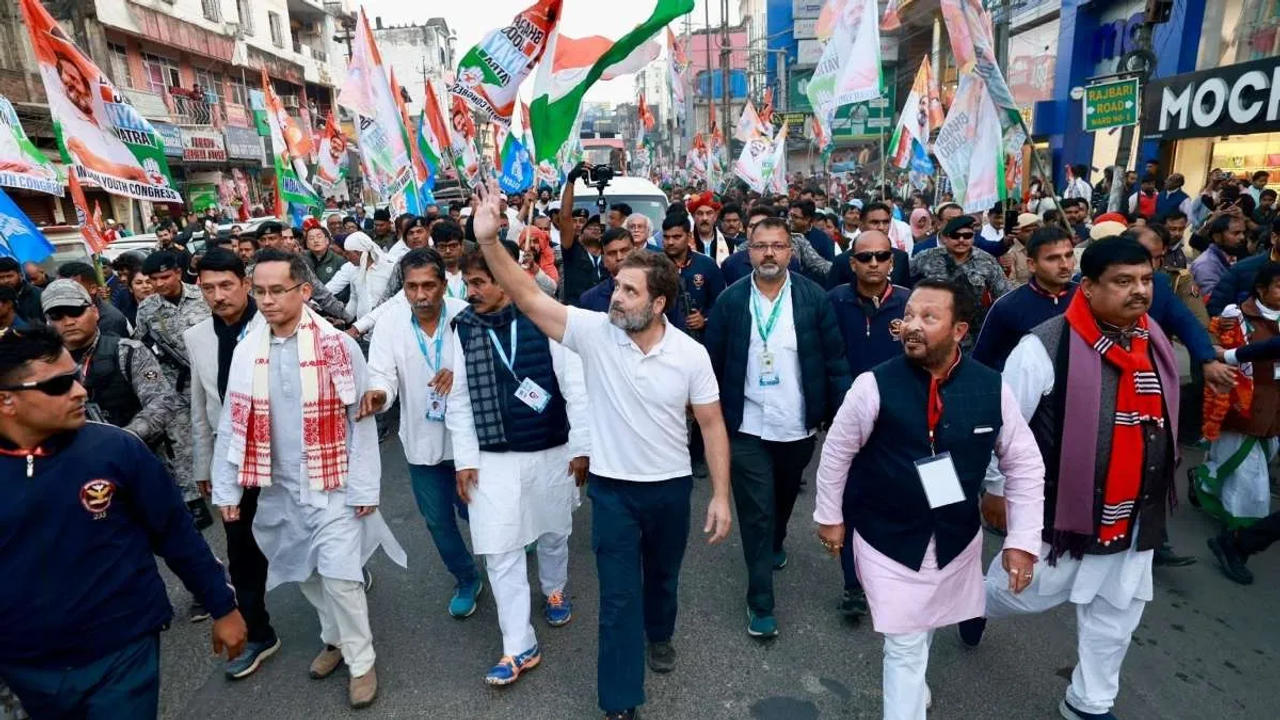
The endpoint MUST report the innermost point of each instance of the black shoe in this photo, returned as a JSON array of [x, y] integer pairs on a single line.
[[1166, 557], [1192, 497], [200, 513], [197, 613], [662, 657], [853, 604], [971, 631], [1230, 559], [628, 714]]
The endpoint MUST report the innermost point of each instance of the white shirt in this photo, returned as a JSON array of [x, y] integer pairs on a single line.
[[773, 412], [398, 368], [457, 285], [989, 232], [639, 398]]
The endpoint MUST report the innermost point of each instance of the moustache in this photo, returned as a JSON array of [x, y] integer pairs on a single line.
[[916, 337]]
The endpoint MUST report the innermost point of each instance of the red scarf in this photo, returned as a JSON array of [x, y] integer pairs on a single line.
[[1137, 401]]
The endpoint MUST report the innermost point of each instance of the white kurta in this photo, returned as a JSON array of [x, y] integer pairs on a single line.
[[519, 496], [303, 531]]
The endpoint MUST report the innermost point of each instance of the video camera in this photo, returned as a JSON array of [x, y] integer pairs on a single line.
[[598, 177]]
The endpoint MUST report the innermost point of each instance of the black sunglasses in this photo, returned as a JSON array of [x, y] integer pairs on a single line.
[[58, 313], [55, 386], [963, 236], [879, 256]]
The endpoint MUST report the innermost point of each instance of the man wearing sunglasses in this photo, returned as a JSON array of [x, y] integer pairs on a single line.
[[959, 262], [776, 350], [123, 379], [86, 509]]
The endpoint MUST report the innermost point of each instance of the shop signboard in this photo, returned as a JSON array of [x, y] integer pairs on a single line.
[[202, 196], [201, 143], [806, 8], [1239, 99], [805, 29], [243, 143], [172, 137], [808, 53], [859, 121], [1111, 104]]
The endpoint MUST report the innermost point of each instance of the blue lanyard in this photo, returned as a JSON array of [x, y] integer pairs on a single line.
[[422, 343], [509, 361], [766, 329]]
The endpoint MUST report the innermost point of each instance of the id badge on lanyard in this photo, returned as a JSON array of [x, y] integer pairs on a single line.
[[768, 362], [528, 392], [937, 472], [435, 401]]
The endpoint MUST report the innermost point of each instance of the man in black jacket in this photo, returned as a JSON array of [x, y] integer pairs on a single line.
[[28, 302], [87, 509], [780, 360]]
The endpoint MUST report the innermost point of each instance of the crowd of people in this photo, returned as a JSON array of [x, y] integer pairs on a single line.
[[1013, 369]]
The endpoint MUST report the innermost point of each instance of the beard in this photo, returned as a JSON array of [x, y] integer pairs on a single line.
[[633, 321], [932, 355], [769, 271]]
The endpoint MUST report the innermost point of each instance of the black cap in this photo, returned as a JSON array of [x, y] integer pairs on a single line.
[[382, 214], [270, 228], [8, 264], [956, 224], [161, 261], [581, 212]]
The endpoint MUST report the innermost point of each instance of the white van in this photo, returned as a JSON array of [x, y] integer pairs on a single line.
[[643, 196]]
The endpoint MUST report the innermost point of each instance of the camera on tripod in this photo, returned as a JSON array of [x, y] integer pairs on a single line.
[[598, 176]]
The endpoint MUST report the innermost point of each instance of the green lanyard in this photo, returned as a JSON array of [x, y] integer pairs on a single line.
[[766, 329]]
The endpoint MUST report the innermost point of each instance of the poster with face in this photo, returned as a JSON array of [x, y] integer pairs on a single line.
[[105, 140]]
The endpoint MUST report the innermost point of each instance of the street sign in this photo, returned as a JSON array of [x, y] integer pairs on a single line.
[[1111, 104]]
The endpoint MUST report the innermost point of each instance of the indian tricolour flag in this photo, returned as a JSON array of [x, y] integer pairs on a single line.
[[570, 67], [433, 138]]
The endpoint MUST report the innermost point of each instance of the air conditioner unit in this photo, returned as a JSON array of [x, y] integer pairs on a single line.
[[289, 102]]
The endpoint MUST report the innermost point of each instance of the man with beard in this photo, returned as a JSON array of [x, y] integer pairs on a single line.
[[614, 248], [738, 265], [903, 465], [1091, 382], [210, 345], [700, 279], [1226, 232], [780, 361], [868, 311], [641, 375], [708, 239], [516, 415], [416, 366], [1052, 262]]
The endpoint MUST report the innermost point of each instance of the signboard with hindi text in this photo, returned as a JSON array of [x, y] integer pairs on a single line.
[[1111, 104], [202, 143]]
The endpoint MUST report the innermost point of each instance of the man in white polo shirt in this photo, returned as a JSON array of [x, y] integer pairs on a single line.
[[641, 374]]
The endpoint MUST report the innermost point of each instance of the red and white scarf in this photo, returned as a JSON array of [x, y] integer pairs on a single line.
[[1138, 401], [327, 382]]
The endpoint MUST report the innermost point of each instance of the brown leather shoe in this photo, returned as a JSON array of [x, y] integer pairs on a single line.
[[326, 662], [364, 689]]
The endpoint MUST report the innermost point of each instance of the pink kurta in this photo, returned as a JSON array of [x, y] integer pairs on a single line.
[[901, 599]]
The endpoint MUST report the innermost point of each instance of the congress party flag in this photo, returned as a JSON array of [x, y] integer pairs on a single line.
[[433, 135], [462, 142], [90, 227], [517, 172], [849, 69], [490, 74], [921, 114], [20, 239], [104, 139], [416, 192], [332, 168], [973, 44], [969, 146], [292, 187], [561, 83], [21, 164], [677, 68], [384, 155], [776, 166], [750, 166], [751, 126]]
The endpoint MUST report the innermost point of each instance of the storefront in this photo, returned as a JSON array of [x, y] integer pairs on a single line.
[[1227, 114]]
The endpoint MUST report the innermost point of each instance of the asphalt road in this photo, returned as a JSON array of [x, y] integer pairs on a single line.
[[1206, 647]]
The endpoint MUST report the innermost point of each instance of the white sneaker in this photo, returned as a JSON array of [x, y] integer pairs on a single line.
[[928, 699]]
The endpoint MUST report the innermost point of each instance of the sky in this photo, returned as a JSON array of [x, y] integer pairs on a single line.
[[471, 19]]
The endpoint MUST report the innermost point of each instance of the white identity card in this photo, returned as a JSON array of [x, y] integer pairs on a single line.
[[940, 481]]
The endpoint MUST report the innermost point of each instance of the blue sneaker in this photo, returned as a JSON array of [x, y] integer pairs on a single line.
[[464, 599], [761, 626], [509, 668], [1070, 713], [249, 659], [558, 610]]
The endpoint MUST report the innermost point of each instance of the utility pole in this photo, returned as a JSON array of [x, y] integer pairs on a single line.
[[706, 44], [1139, 61], [345, 34], [1002, 22], [726, 96]]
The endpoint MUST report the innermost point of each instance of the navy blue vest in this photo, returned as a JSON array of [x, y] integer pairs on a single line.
[[884, 500], [525, 429], [1167, 202]]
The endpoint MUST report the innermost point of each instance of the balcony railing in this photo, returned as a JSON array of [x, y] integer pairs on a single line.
[[188, 109]]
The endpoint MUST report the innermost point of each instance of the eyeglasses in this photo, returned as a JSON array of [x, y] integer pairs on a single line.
[[878, 256], [55, 386], [963, 236], [273, 293], [58, 313], [765, 247]]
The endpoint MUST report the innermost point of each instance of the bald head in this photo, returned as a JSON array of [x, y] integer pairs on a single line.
[[870, 241]]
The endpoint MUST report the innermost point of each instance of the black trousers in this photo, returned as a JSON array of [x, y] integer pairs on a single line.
[[248, 568], [1259, 536], [766, 480]]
